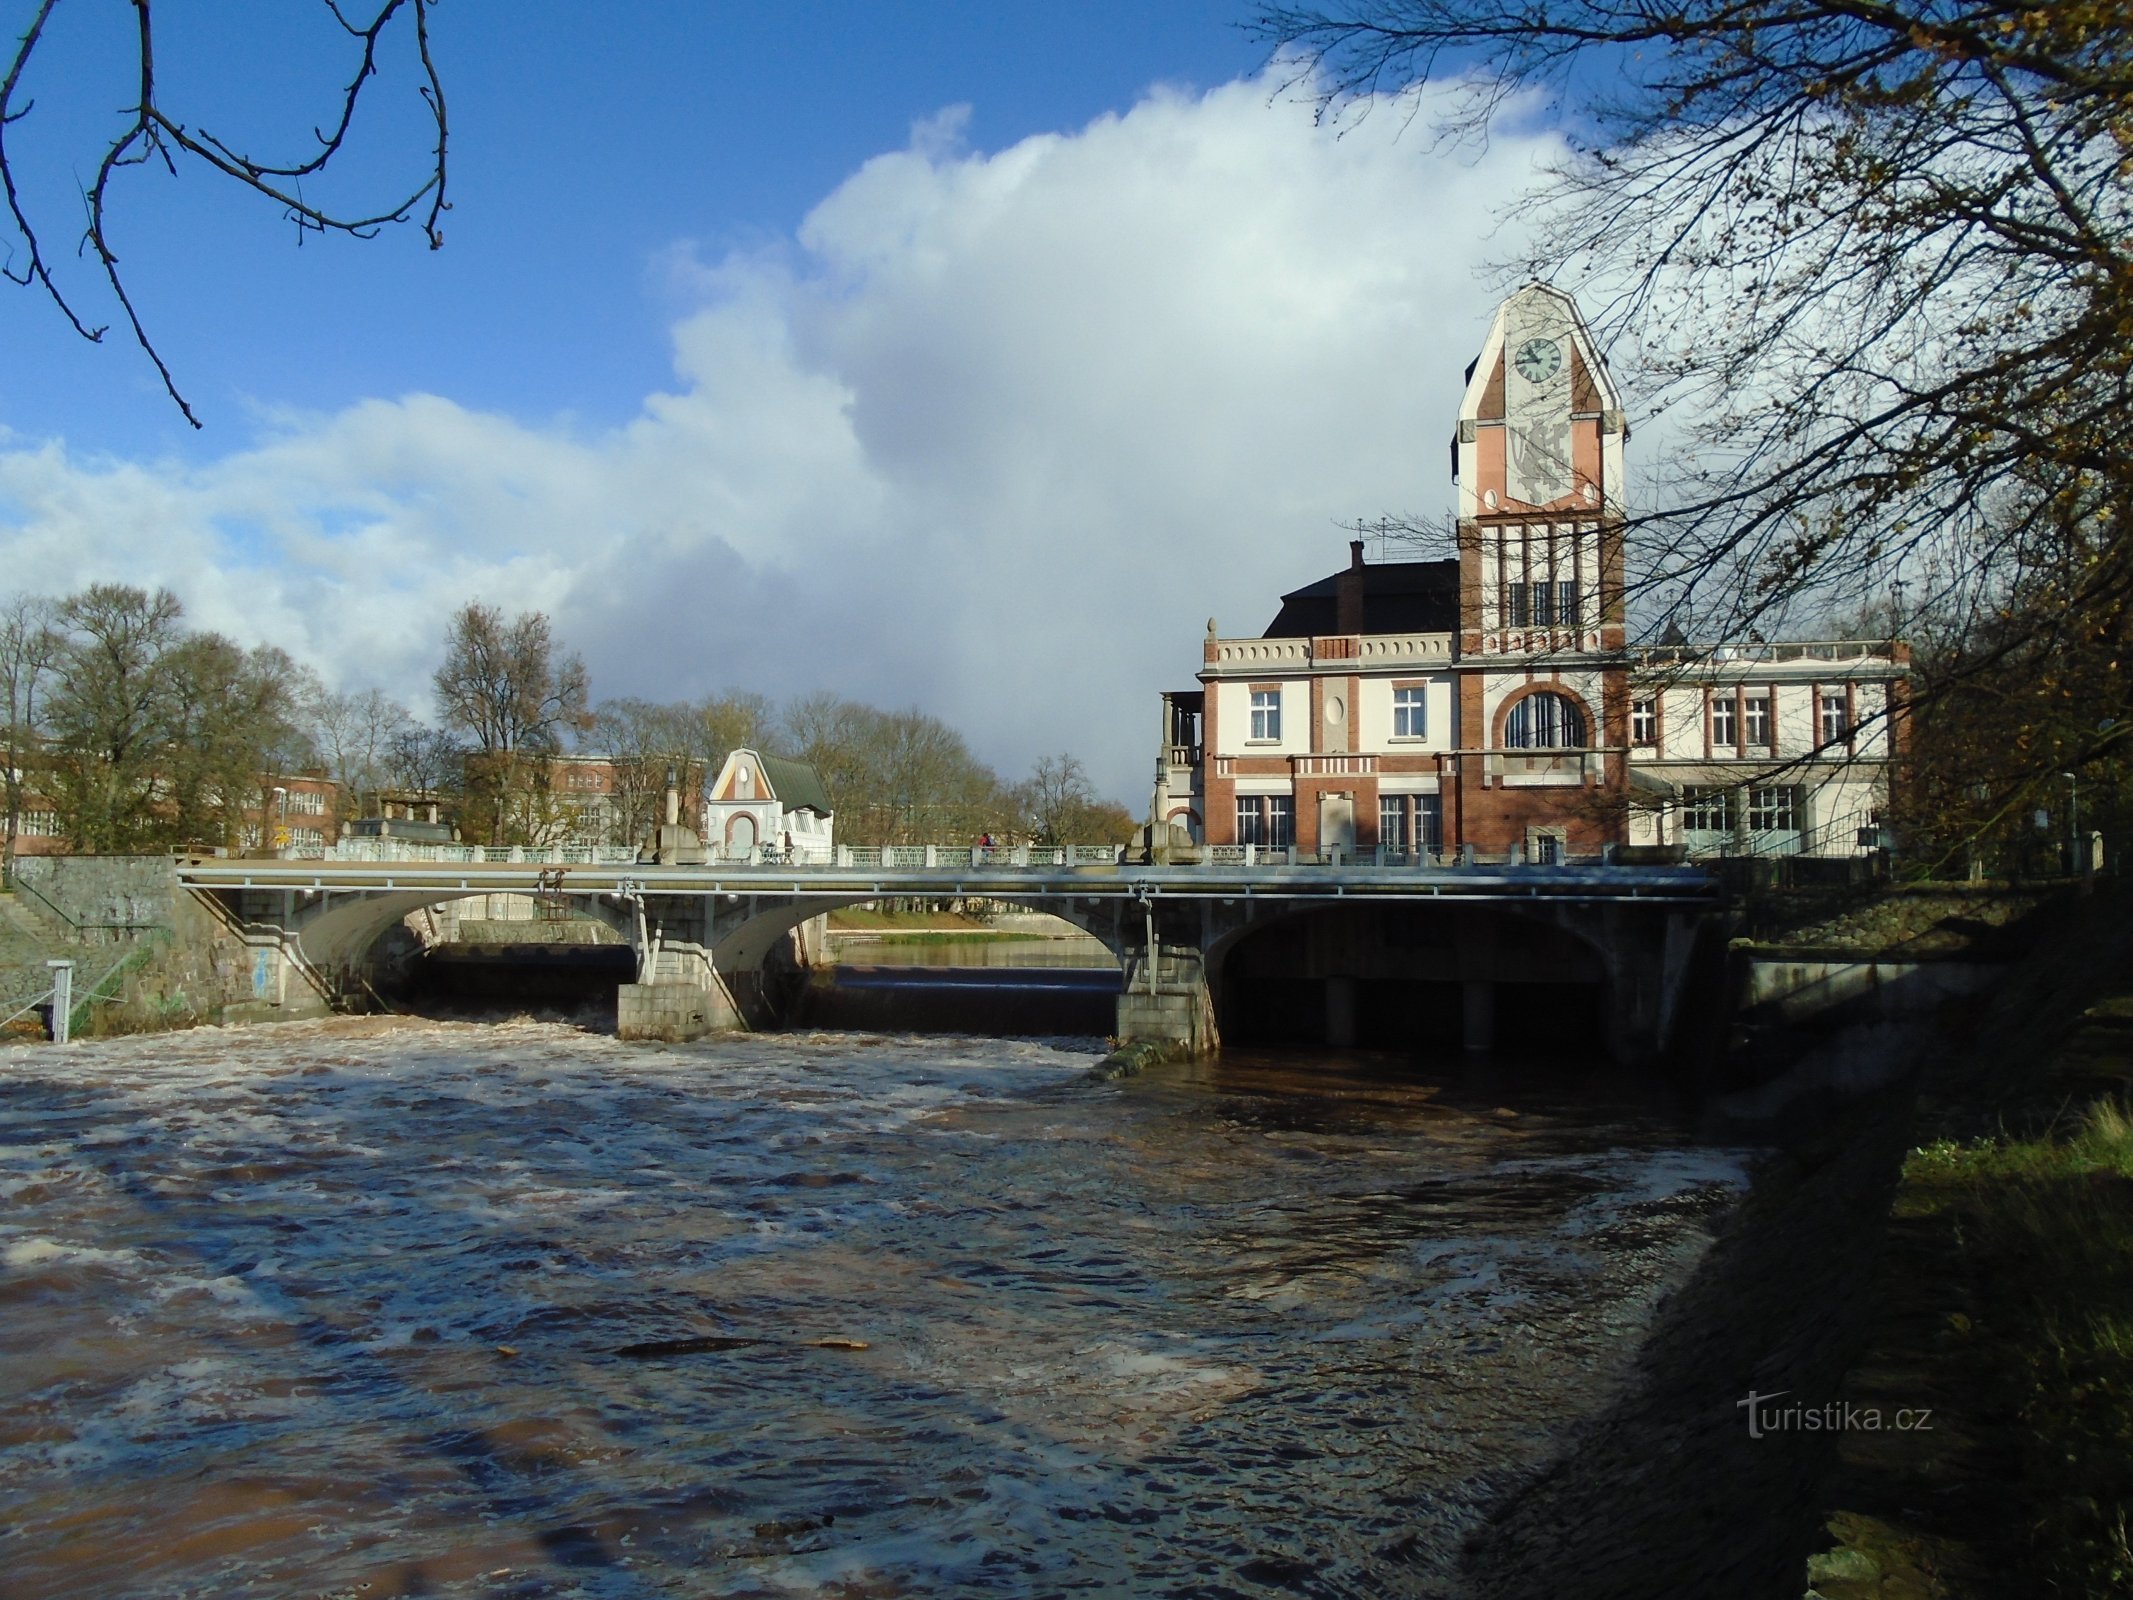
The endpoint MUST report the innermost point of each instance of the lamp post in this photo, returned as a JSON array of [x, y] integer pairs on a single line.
[[281, 812]]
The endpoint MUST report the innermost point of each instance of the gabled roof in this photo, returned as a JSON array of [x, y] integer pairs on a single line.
[[796, 783], [793, 784], [1398, 597]]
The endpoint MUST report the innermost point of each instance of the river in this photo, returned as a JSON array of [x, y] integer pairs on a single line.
[[378, 1307]]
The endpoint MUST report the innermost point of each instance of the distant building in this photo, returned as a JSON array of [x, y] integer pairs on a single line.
[[1491, 702], [296, 810], [760, 801]]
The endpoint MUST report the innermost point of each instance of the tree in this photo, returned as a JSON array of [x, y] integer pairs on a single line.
[[1059, 805], [233, 722], [110, 714], [356, 732], [30, 643], [1878, 250], [150, 131], [503, 686], [897, 777]]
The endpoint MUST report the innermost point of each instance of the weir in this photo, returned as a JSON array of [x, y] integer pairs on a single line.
[[1201, 947]]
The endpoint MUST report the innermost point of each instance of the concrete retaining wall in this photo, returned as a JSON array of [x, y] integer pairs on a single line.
[[153, 955]]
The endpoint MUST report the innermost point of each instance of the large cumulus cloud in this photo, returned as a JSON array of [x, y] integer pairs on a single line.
[[994, 434]]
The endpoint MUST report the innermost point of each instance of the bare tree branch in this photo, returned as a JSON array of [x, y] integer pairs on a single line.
[[152, 134]]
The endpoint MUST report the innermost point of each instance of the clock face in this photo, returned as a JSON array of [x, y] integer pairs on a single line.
[[1538, 360]]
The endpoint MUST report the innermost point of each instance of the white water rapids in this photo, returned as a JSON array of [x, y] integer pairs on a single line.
[[337, 1309]]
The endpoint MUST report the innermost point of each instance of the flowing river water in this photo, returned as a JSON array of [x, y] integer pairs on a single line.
[[377, 1307]]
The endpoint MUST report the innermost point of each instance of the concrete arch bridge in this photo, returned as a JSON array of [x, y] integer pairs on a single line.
[[1348, 952]]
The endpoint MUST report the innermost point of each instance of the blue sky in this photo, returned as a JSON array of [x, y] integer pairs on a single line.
[[959, 355]]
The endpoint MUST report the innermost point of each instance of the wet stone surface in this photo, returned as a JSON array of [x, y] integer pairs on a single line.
[[381, 1308]]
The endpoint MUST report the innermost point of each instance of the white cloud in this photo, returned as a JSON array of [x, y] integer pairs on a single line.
[[995, 434]]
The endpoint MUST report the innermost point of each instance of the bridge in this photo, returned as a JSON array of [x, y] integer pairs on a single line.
[[1449, 949]]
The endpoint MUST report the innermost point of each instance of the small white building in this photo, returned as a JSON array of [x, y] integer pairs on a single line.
[[768, 803]]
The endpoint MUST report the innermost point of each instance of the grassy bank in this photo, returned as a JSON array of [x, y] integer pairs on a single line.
[[2005, 1303]]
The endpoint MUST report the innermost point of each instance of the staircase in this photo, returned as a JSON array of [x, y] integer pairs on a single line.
[[28, 938]]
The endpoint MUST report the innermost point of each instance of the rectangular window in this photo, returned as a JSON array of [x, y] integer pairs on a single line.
[[1410, 715], [1705, 810], [1521, 599], [1392, 822], [1757, 708], [1836, 719], [308, 836], [1547, 849], [1566, 603], [1725, 725], [1266, 713], [308, 801], [1543, 605], [1248, 829], [40, 824], [1429, 823], [1774, 808], [1280, 821], [1644, 722]]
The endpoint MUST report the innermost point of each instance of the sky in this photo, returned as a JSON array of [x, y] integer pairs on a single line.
[[963, 356]]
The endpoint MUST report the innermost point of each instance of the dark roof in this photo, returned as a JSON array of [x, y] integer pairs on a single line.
[[1398, 597], [795, 784]]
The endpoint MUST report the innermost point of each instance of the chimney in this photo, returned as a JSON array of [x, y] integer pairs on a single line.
[[1348, 592]]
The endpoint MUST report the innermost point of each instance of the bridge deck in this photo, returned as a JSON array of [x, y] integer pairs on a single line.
[[1676, 885]]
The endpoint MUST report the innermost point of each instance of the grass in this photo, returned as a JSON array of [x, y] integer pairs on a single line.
[[2044, 1226]]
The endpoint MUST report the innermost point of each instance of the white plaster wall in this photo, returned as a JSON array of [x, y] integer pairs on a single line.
[[1374, 727], [1233, 719]]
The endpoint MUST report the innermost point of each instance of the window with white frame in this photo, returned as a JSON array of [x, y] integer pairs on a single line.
[[1644, 721], [308, 836], [1725, 720], [1280, 821], [1429, 823], [39, 825], [1392, 821], [1756, 715], [1836, 718], [307, 801], [1774, 808], [1544, 721], [1266, 714], [1708, 810], [1410, 713], [1248, 815], [1566, 604]]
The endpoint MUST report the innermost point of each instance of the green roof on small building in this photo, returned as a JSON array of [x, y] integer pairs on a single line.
[[794, 783]]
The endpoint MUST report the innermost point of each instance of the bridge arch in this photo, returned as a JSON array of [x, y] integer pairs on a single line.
[[746, 943], [336, 933], [1434, 976]]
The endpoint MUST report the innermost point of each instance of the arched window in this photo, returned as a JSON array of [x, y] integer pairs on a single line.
[[1545, 722]]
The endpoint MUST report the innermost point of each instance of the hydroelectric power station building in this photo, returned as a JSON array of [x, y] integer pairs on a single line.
[[1492, 702]]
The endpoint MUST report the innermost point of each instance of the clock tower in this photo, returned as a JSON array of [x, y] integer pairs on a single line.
[[1539, 467]]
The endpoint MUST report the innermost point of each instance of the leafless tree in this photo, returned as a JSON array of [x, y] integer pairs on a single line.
[[504, 687], [30, 643], [1877, 254], [1881, 251], [153, 132], [356, 731]]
